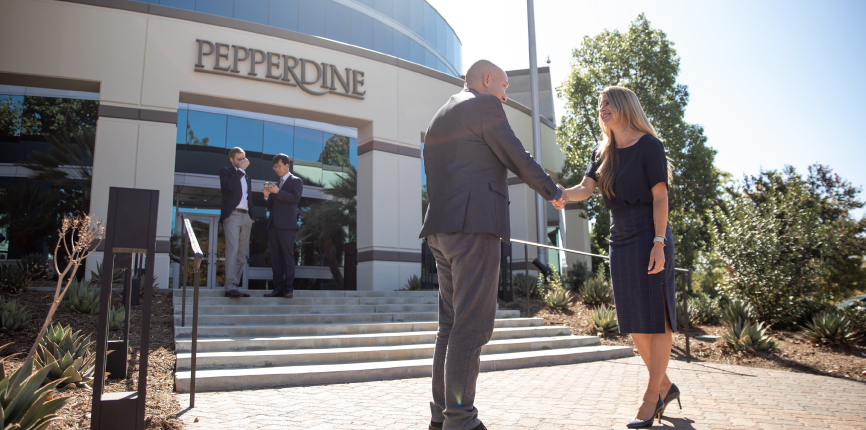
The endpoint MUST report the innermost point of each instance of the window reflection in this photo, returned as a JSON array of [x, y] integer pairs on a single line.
[[205, 130], [336, 151], [284, 14], [339, 25], [216, 7], [383, 39], [180, 4], [362, 30], [311, 17], [251, 10], [278, 139]]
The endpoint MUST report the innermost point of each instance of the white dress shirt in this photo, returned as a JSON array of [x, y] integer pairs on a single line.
[[243, 203]]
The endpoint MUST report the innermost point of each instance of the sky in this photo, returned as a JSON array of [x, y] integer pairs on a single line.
[[773, 83]]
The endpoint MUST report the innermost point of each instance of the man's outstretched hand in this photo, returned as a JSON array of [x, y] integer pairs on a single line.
[[560, 204]]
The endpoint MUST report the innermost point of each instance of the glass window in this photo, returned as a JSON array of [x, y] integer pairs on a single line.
[[368, 3], [311, 17], [278, 139], [362, 30], [353, 151], [308, 144], [416, 16], [245, 133], [206, 129], [339, 23], [11, 109], [284, 14], [430, 59], [401, 46], [386, 7], [216, 7], [449, 45], [252, 10], [440, 33], [383, 38], [458, 49], [181, 126], [429, 24], [416, 52], [401, 12], [180, 4], [336, 151]]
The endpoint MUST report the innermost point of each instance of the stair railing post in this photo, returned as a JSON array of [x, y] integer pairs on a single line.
[[526, 270]]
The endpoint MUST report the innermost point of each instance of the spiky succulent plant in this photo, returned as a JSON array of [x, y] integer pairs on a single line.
[[738, 312], [83, 298], [525, 285], [12, 316], [24, 405], [36, 265], [596, 291], [13, 278], [557, 298], [748, 337], [68, 357], [117, 318], [829, 327], [604, 319]]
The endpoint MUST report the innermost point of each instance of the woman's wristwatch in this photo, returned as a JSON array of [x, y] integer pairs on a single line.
[[660, 239]]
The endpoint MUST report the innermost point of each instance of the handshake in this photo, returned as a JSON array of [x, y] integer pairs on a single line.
[[560, 204]]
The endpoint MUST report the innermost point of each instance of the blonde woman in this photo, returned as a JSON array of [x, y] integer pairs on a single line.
[[632, 173]]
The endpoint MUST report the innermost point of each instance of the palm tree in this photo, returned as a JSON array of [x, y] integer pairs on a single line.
[[68, 162], [28, 213], [334, 222]]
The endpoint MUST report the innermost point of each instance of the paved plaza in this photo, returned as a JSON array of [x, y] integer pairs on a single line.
[[596, 395]]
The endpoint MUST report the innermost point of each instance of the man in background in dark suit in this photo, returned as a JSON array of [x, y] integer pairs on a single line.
[[236, 218], [282, 199], [468, 152]]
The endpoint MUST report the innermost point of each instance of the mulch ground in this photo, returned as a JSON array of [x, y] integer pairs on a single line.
[[794, 353], [161, 405]]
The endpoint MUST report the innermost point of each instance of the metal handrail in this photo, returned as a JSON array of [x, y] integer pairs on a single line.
[[686, 290], [187, 231]]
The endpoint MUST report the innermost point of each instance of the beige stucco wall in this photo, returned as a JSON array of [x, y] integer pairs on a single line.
[[147, 62]]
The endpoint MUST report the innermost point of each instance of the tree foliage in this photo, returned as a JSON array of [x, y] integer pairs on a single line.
[[645, 61], [790, 243]]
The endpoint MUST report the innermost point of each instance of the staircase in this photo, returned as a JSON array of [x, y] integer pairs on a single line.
[[327, 337]]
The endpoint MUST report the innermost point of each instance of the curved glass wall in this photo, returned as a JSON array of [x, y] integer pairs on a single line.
[[408, 29]]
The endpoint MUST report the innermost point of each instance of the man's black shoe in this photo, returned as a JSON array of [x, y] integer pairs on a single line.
[[289, 294], [233, 294], [275, 293], [244, 294], [435, 426]]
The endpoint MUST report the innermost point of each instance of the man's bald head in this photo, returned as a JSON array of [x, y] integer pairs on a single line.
[[487, 78]]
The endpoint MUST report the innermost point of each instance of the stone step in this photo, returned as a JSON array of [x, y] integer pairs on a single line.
[[277, 309], [284, 376], [276, 319], [220, 292], [184, 345], [276, 330], [305, 301], [303, 357]]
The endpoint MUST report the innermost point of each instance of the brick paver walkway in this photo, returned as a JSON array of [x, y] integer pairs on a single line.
[[581, 396]]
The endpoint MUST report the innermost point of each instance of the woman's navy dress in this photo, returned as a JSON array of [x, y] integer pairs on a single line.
[[639, 298]]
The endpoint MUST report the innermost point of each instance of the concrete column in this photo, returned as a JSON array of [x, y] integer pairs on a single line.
[[577, 234], [389, 214], [135, 153]]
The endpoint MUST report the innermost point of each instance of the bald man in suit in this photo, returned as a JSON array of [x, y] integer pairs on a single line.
[[468, 151]]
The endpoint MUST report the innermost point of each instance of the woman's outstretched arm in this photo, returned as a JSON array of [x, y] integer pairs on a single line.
[[578, 192]]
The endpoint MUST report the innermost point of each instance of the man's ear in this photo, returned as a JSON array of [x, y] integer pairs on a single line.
[[485, 79]]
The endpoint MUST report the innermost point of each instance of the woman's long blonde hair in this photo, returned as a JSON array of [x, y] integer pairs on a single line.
[[626, 110]]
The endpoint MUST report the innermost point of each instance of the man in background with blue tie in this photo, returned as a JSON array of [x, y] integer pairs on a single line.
[[282, 201]]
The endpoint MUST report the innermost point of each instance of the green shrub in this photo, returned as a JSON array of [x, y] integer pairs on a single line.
[[738, 312], [25, 406], [83, 298], [37, 266], [604, 319], [681, 314], [68, 357], [12, 317], [748, 337], [833, 328], [117, 318], [705, 309], [597, 291], [412, 284], [577, 276], [556, 297], [525, 285], [857, 316], [13, 278]]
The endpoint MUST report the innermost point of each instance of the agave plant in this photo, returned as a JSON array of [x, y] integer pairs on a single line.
[[829, 327], [116, 275], [681, 314], [67, 356], [604, 319], [557, 299], [12, 317], [24, 405], [525, 285], [36, 265], [117, 318], [83, 298], [738, 312], [745, 336], [596, 291], [13, 278]]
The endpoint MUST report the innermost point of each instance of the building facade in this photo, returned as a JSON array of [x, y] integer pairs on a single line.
[[171, 85]]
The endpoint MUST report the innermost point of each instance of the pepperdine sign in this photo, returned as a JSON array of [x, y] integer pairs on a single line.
[[313, 77]]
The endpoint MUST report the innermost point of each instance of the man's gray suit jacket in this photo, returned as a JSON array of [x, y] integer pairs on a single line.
[[468, 151]]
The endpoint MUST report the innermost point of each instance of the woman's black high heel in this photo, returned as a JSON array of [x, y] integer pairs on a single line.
[[673, 393], [638, 424]]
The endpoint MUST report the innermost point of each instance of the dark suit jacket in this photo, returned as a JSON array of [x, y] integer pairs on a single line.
[[284, 204], [468, 151], [232, 192]]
